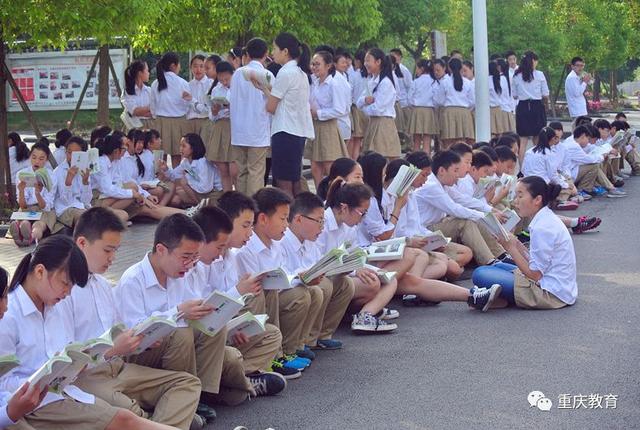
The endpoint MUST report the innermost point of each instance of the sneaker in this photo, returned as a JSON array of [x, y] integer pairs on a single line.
[[306, 353], [14, 230], [481, 298], [206, 412], [267, 384], [585, 195], [412, 300], [286, 372], [585, 224], [328, 344], [577, 198], [598, 191], [506, 258], [296, 362], [388, 314], [367, 322], [626, 176], [523, 236], [197, 423], [190, 212], [567, 206], [618, 183], [25, 232], [616, 194]]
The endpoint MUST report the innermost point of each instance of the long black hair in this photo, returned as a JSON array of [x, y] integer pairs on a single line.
[[109, 144], [164, 65], [55, 253], [455, 66], [526, 66], [351, 195], [130, 74], [386, 68], [136, 135], [544, 137], [215, 59], [395, 66], [504, 69], [22, 151], [373, 164], [340, 167], [360, 54], [494, 72], [297, 51], [536, 186], [427, 67]]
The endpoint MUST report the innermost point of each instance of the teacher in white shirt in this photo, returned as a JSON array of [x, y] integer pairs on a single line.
[[574, 87]]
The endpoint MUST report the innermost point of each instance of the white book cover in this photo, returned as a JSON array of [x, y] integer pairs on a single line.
[[248, 324], [26, 215], [401, 183], [153, 329], [392, 249], [275, 279], [225, 308]]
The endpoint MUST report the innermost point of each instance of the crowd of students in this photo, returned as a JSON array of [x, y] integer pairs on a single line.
[[217, 131]]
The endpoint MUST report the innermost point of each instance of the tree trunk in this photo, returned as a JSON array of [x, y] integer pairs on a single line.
[[103, 87], [613, 79], [597, 87], [556, 93], [5, 183]]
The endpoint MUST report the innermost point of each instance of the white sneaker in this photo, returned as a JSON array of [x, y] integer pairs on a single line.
[[190, 212], [366, 322], [389, 314]]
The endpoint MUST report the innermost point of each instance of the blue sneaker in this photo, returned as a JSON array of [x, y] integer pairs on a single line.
[[296, 362], [585, 195], [306, 353], [598, 191], [328, 344]]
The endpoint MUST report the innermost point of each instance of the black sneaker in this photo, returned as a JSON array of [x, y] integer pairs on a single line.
[[412, 300], [286, 372], [618, 183], [206, 412], [268, 383], [586, 224], [523, 236], [481, 298], [506, 258]]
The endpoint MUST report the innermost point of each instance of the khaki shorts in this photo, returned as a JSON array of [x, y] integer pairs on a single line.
[[68, 414], [69, 215], [529, 295]]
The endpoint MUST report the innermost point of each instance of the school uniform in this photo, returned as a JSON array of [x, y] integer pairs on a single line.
[[578, 165], [574, 88], [530, 114], [172, 396], [334, 235], [327, 98], [48, 213], [359, 120], [291, 123], [438, 211], [543, 165], [508, 103], [14, 165], [423, 115], [499, 117], [402, 106], [198, 114], [341, 81], [140, 98], [169, 110], [331, 297], [219, 141], [381, 134], [287, 309], [202, 176], [107, 183], [35, 337], [456, 119], [146, 156], [70, 201], [373, 224]]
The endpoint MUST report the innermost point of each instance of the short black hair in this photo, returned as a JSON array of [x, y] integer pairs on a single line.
[[505, 153], [593, 131], [419, 159], [581, 120], [478, 145], [556, 125], [444, 159], [213, 221], [509, 53], [42, 147], [224, 67], [234, 203], [79, 141], [481, 159], [327, 48], [618, 125], [305, 203], [174, 228], [460, 148], [198, 149], [396, 51], [268, 199], [580, 131], [575, 60], [99, 133], [257, 48], [62, 136], [490, 152], [621, 115], [94, 222], [602, 123]]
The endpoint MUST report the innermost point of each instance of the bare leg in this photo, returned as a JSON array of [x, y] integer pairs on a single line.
[[522, 148], [426, 143], [38, 229], [435, 270], [417, 142], [159, 212], [233, 172], [168, 194], [373, 299], [432, 290], [225, 175], [317, 172], [355, 144]]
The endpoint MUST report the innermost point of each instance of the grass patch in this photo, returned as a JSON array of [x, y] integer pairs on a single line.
[[52, 121]]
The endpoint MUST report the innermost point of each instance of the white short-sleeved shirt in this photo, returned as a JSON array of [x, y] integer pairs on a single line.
[[199, 107], [141, 98], [543, 165], [333, 235], [384, 94], [408, 223], [551, 252], [298, 256], [30, 192], [422, 90], [14, 165], [202, 175], [536, 89], [77, 195], [448, 96], [169, 102], [256, 257], [293, 115], [372, 224]]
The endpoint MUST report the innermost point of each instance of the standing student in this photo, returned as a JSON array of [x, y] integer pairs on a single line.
[[575, 86], [327, 101], [234, 56], [288, 101], [198, 113], [250, 122], [219, 149], [544, 276], [377, 101], [456, 97], [136, 97], [403, 80], [423, 124], [508, 104], [341, 64], [18, 154], [359, 121], [36, 198], [170, 101], [498, 88], [529, 87], [33, 330]]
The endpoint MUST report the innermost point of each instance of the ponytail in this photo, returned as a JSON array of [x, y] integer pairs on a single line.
[[536, 186], [297, 51], [526, 66], [504, 70], [352, 195], [215, 59], [395, 66], [495, 75], [130, 75], [455, 66], [54, 253], [328, 59], [544, 137], [386, 68], [373, 164], [163, 66]]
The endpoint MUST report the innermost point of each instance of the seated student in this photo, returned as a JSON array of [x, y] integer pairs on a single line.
[[18, 154], [289, 309], [163, 396], [346, 206], [260, 350], [628, 148], [142, 166], [300, 252], [242, 210], [610, 166], [505, 165], [100, 132], [37, 199], [109, 190], [195, 177], [544, 277], [33, 330], [62, 136], [157, 286], [438, 211]]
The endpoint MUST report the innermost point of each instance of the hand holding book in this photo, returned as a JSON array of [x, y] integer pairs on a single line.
[[250, 284]]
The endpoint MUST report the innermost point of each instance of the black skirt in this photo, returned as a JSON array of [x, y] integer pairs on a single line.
[[530, 117], [286, 156]]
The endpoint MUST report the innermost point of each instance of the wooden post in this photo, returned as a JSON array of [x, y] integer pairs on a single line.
[[84, 90], [556, 93], [103, 87], [114, 76], [5, 183]]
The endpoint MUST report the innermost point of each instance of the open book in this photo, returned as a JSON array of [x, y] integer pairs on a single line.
[[403, 180], [26, 215], [39, 176], [494, 226], [154, 328], [96, 348], [60, 371], [384, 276], [8, 363], [225, 308], [247, 323], [263, 78], [329, 261], [512, 219], [391, 249], [484, 185], [604, 150], [435, 240], [356, 259], [158, 155], [509, 182], [86, 160], [275, 279]]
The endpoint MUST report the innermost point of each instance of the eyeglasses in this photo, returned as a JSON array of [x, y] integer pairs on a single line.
[[359, 212], [319, 221]]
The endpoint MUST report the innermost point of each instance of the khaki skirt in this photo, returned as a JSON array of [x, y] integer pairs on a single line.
[[328, 145], [219, 142], [196, 125], [171, 131], [457, 123], [382, 136], [423, 121], [359, 122], [401, 122], [511, 121], [47, 217], [499, 120]]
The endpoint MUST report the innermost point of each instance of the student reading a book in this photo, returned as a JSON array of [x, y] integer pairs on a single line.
[[544, 277], [34, 331], [156, 286], [242, 210], [195, 177], [300, 252], [34, 195], [163, 396], [145, 169], [346, 205], [505, 170], [289, 309], [260, 350]]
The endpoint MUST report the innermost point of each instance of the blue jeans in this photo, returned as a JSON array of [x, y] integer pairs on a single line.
[[499, 273]]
